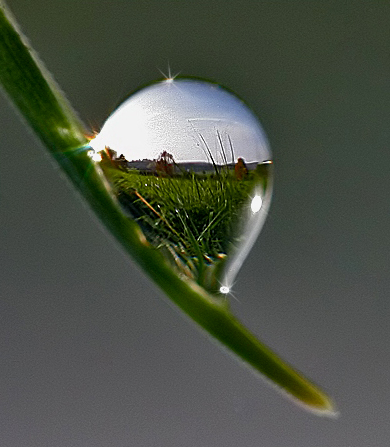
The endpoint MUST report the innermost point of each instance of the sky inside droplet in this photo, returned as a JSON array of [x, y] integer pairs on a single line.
[[190, 119]]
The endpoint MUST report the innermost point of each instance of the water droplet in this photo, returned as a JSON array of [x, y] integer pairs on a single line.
[[190, 163]]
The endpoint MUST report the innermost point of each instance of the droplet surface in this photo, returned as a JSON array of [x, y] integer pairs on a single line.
[[190, 163]]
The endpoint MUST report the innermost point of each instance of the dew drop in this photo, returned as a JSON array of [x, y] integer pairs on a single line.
[[190, 163]]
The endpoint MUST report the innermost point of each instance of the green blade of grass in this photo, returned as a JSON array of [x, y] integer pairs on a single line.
[[47, 112]]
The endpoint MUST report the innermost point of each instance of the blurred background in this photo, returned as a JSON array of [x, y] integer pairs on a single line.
[[91, 352]]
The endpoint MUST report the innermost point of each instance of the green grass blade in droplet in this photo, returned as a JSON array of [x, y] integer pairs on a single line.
[[48, 113]]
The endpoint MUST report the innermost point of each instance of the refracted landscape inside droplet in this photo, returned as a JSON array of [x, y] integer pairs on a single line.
[[190, 163], [195, 212]]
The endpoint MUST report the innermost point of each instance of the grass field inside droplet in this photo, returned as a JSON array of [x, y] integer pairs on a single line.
[[194, 216]]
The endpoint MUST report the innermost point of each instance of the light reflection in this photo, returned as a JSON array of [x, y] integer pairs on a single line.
[[224, 289], [96, 156], [256, 204]]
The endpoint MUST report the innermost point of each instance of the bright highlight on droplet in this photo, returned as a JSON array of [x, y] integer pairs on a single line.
[[256, 204], [190, 163], [96, 156]]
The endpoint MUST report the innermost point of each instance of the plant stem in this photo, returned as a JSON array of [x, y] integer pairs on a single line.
[[43, 106], [34, 92]]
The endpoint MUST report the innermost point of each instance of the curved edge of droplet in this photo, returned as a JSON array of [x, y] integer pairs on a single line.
[[233, 266]]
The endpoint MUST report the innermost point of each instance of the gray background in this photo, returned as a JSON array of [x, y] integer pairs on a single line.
[[90, 353]]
